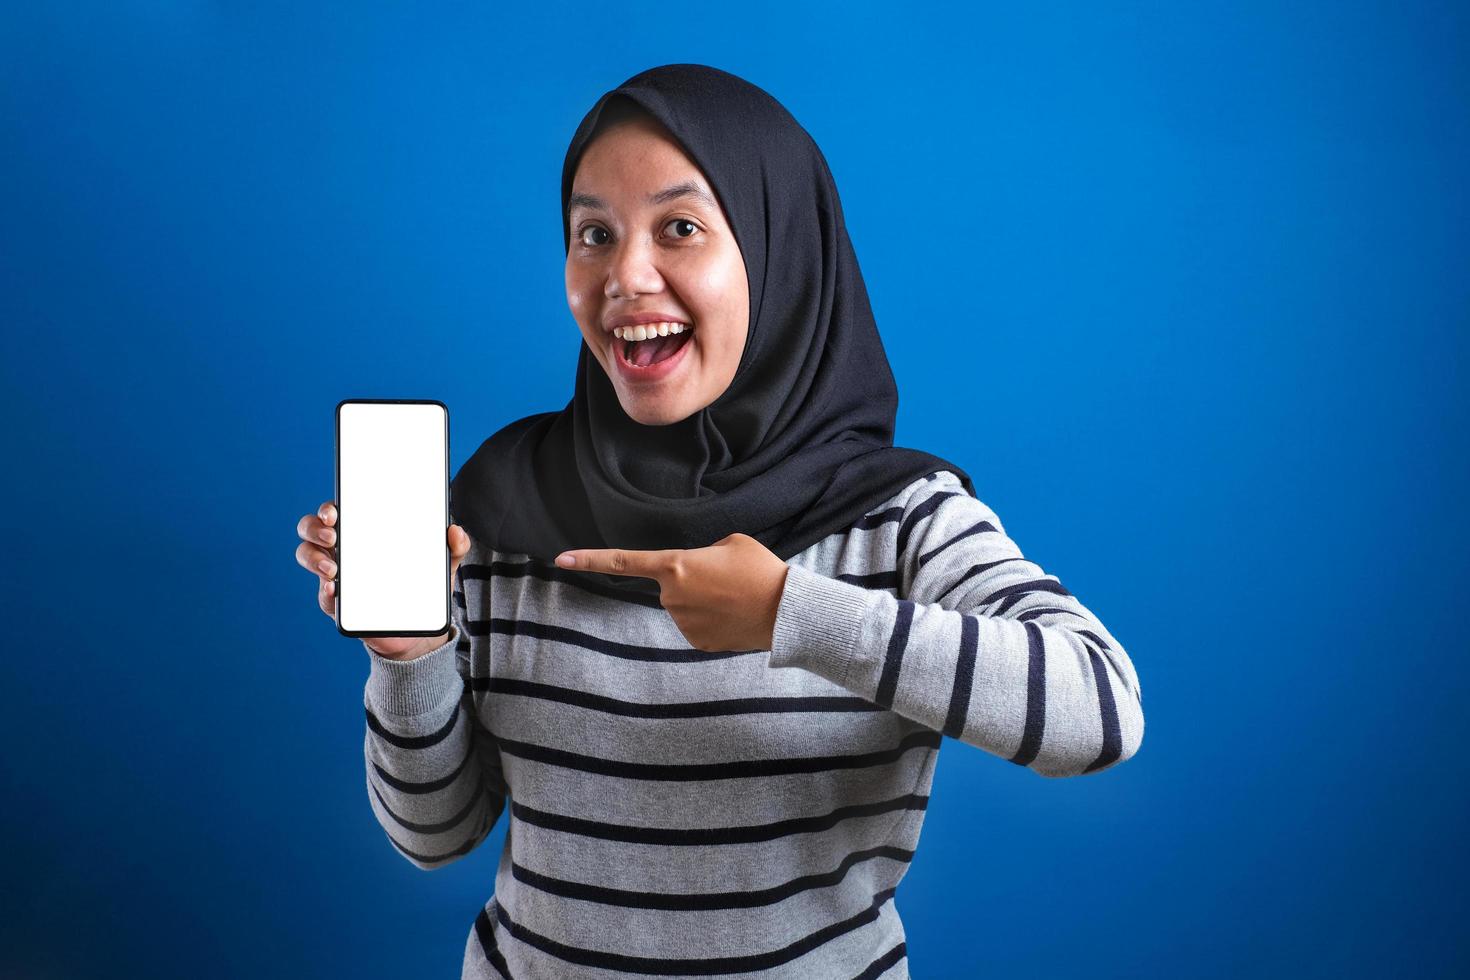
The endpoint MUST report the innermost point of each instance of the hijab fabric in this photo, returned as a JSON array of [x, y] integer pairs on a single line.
[[799, 446]]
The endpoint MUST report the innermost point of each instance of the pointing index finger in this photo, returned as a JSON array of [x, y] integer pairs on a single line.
[[615, 561]]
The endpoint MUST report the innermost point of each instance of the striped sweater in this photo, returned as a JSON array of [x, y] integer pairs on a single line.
[[750, 813]]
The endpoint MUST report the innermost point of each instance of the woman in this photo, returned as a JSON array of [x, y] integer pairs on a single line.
[[727, 505]]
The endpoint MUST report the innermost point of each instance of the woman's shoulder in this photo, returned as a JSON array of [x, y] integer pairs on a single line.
[[937, 502], [939, 484]]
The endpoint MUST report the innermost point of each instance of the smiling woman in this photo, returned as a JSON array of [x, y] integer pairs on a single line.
[[694, 205], [716, 729], [654, 276]]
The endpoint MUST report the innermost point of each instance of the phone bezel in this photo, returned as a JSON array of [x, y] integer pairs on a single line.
[[336, 502]]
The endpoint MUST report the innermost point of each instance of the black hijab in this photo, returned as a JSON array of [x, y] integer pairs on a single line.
[[799, 446]]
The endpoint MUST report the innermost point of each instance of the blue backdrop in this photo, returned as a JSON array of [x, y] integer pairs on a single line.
[[1219, 252]]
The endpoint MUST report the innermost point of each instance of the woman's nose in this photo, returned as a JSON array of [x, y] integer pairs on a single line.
[[632, 271]]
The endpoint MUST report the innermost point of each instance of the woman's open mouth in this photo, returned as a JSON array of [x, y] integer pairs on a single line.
[[652, 359]]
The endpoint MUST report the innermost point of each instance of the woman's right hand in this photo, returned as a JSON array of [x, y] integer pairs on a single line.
[[317, 554]]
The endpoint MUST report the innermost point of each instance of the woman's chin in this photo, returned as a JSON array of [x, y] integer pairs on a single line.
[[660, 404]]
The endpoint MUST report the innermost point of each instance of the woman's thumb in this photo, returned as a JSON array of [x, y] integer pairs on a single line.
[[459, 543]]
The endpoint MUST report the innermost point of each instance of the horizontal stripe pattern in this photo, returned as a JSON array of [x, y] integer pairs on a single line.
[[662, 709], [685, 902], [688, 836], [694, 966], [739, 769], [679, 812]]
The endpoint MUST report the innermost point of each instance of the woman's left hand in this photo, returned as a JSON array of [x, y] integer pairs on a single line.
[[722, 597]]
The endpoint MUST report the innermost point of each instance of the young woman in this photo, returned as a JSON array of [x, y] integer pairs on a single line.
[[715, 720]]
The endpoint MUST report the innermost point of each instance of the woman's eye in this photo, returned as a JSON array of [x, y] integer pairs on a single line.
[[679, 224]]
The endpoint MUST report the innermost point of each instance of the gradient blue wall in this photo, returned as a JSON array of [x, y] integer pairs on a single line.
[[1183, 286]]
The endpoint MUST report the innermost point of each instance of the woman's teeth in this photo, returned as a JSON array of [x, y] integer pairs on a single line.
[[643, 331]]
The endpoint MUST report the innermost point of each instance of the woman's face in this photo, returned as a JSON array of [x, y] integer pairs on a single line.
[[637, 250]]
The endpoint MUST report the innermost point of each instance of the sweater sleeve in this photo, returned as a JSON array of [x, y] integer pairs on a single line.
[[434, 778], [979, 644]]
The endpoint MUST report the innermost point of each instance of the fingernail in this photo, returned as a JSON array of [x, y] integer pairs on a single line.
[[566, 561], [325, 566]]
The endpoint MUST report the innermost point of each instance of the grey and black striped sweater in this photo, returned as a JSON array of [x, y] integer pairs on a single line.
[[750, 814]]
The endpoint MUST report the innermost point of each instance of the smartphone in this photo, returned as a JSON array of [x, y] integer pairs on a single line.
[[392, 495]]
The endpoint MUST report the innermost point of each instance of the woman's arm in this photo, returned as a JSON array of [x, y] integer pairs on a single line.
[[433, 771], [979, 644]]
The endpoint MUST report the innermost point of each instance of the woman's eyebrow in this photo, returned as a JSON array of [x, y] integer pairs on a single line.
[[687, 189]]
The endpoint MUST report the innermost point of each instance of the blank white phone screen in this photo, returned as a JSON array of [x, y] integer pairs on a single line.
[[393, 511]]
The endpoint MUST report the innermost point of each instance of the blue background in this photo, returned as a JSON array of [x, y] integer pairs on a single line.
[[1183, 286]]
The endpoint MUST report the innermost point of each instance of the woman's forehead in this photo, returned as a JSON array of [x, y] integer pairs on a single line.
[[653, 148], [689, 190], [642, 178]]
